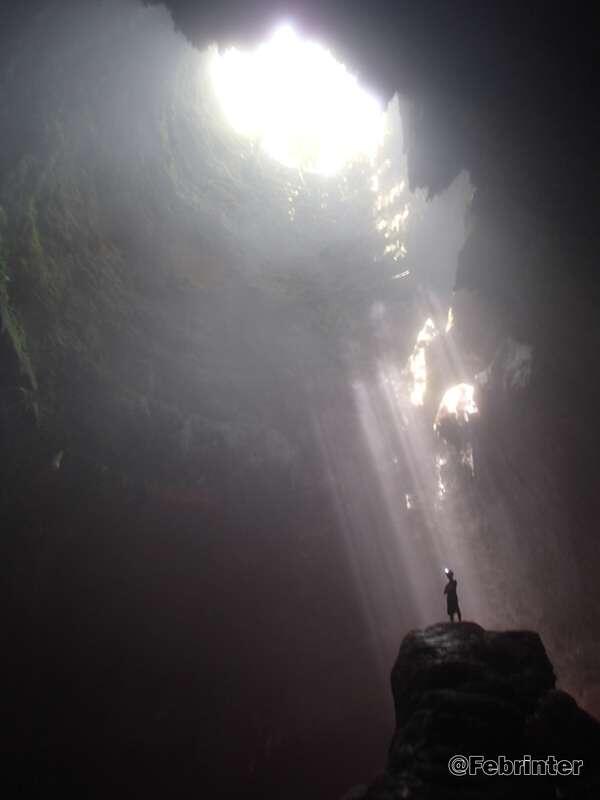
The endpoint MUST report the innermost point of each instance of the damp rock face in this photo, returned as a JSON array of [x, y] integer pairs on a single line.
[[461, 690]]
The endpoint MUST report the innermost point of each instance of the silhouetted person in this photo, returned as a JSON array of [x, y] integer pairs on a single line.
[[451, 597]]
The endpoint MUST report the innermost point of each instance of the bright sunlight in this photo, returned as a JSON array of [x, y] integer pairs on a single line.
[[298, 103]]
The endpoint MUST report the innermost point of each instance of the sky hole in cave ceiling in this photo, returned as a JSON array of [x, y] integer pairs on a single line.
[[298, 102], [291, 99]]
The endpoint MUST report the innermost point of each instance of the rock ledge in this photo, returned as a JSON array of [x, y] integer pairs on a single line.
[[459, 689]]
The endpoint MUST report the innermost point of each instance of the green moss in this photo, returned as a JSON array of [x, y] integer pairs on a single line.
[[13, 329], [10, 324]]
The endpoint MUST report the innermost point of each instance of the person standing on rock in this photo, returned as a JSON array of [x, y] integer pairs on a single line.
[[451, 596]]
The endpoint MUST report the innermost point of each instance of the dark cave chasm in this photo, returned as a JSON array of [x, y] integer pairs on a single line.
[[222, 509]]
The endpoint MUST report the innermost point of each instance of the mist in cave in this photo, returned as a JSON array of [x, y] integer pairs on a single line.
[[263, 379]]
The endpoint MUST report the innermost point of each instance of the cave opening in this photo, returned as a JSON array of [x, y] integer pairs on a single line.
[[294, 99]]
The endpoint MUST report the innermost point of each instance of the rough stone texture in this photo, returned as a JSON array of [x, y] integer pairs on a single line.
[[459, 689]]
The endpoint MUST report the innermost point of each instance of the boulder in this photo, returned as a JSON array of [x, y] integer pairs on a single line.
[[461, 690]]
